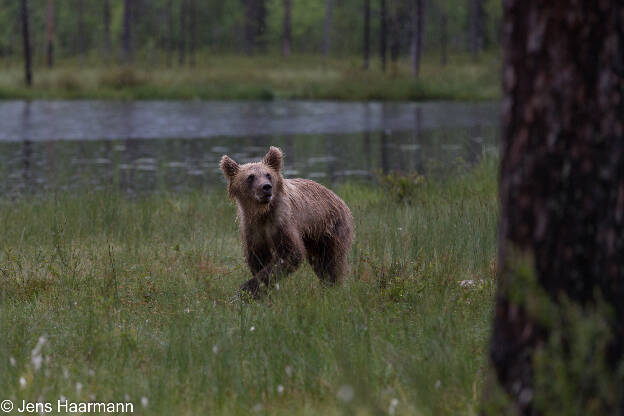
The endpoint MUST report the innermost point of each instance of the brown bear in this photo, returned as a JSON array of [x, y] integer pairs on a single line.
[[284, 220]]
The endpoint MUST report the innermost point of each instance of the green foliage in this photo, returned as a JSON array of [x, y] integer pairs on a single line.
[[220, 26], [136, 297], [260, 77], [574, 371], [402, 187], [123, 77]]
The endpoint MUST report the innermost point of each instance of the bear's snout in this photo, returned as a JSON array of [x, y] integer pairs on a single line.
[[264, 192]]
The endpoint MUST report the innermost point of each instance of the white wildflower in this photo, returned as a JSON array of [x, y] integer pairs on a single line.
[[252, 329], [22, 382], [62, 398], [288, 370], [144, 401], [78, 387], [257, 408], [12, 361], [280, 389], [215, 349], [35, 356], [36, 362], [393, 404], [438, 383], [345, 393]]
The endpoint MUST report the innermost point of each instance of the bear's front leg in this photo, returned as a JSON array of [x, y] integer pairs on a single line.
[[257, 256], [287, 259], [251, 287]]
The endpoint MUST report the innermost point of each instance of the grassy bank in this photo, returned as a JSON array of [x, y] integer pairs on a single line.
[[134, 299], [260, 78]]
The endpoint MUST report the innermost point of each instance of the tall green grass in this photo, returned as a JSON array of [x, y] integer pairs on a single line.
[[135, 300], [260, 78]]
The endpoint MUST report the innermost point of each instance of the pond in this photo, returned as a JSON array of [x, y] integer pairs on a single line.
[[148, 146]]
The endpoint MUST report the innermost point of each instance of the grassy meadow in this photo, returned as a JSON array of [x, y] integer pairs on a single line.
[[134, 299], [261, 77]]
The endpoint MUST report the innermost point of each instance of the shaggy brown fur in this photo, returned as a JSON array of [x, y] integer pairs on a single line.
[[284, 220]]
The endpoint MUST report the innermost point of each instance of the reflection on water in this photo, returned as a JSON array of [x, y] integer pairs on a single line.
[[33, 164]]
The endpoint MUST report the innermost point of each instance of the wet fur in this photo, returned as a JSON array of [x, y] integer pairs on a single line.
[[303, 219]]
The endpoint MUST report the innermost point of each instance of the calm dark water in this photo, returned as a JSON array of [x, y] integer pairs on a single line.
[[142, 147]]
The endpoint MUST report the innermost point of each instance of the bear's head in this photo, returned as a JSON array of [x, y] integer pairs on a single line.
[[254, 185]]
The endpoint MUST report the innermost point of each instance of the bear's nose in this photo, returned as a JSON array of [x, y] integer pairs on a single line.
[[267, 188]]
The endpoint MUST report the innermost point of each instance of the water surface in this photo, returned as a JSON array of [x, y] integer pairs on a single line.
[[148, 146]]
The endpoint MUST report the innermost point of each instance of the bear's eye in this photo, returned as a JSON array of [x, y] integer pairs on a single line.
[[268, 176], [250, 178]]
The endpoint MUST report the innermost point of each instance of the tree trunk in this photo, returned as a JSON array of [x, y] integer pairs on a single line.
[[80, 31], [260, 13], [249, 26], [170, 35], [107, 31], [416, 41], [329, 6], [192, 30], [26, 43], [127, 32], [558, 336], [395, 34], [366, 34], [477, 28], [287, 30], [50, 34], [443, 34], [382, 33], [182, 34]]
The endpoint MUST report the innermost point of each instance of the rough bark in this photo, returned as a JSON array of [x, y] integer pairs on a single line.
[[50, 34], [127, 32], [287, 28], [26, 42], [561, 188], [366, 34], [416, 41], [107, 31], [383, 19]]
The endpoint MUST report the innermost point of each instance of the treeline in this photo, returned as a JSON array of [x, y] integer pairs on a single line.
[[171, 32]]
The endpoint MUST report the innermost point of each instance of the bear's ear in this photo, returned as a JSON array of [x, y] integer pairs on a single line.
[[273, 159], [229, 167]]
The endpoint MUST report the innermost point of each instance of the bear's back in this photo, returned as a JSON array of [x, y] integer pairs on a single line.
[[313, 209]]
